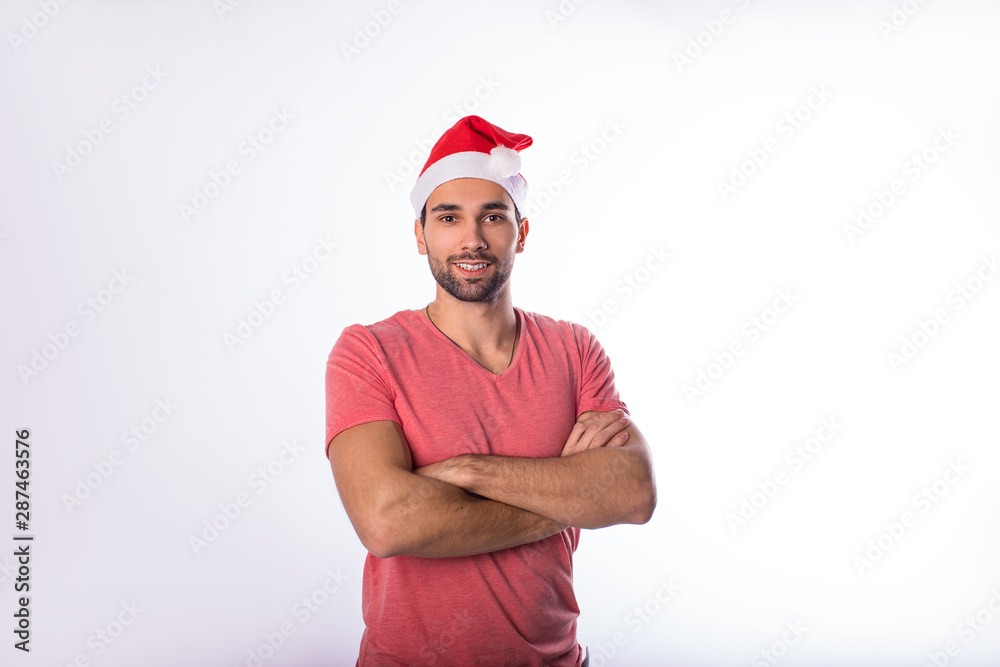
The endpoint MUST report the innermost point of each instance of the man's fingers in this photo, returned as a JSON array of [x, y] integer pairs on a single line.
[[604, 419], [611, 434], [606, 426], [600, 430], [619, 439], [577, 435]]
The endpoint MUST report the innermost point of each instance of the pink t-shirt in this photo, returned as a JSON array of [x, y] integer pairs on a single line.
[[510, 607]]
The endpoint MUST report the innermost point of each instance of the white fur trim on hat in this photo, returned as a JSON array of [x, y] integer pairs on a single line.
[[498, 166]]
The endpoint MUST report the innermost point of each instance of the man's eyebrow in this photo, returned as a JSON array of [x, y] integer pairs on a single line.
[[488, 206], [445, 206]]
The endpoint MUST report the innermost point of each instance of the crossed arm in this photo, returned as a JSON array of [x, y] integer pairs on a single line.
[[474, 503]]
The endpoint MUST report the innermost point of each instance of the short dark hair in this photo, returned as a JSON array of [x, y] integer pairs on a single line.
[[423, 215]]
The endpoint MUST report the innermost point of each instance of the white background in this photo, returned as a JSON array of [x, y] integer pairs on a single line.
[[663, 133]]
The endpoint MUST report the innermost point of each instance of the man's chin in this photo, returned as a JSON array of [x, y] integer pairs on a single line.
[[469, 292], [471, 298]]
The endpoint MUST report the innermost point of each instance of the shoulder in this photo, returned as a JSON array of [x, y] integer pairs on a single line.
[[395, 327], [547, 324], [382, 335], [565, 330]]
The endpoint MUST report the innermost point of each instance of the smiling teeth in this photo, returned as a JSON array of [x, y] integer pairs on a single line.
[[472, 267]]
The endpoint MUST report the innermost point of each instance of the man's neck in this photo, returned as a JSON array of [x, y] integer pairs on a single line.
[[480, 326]]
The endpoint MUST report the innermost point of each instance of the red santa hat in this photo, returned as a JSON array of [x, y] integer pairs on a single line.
[[474, 148]]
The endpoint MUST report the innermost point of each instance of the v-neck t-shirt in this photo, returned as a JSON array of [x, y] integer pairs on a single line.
[[513, 606]]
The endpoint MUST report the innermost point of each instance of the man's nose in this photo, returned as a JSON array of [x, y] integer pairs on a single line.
[[473, 238]]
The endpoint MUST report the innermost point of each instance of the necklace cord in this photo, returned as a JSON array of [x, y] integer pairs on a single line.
[[513, 347]]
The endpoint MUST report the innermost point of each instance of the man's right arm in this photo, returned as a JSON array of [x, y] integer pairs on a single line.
[[396, 512]]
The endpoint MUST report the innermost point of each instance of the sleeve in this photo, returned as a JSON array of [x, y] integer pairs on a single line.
[[596, 390], [357, 386]]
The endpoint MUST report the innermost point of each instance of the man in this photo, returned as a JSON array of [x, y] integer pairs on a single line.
[[470, 440]]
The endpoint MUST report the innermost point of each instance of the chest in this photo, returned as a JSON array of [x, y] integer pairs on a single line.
[[496, 363], [455, 408]]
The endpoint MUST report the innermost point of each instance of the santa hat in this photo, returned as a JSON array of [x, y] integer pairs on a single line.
[[474, 148]]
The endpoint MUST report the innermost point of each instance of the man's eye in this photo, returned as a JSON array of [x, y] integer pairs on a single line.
[[497, 217]]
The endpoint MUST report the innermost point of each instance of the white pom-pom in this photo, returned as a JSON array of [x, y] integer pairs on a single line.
[[505, 161]]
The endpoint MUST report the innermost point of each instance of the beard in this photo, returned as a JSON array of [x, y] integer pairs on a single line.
[[470, 289]]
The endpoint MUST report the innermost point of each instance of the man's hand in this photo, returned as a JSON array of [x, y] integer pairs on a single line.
[[604, 476], [591, 431], [595, 430]]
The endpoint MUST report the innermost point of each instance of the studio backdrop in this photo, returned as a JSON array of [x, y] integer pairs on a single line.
[[780, 219]]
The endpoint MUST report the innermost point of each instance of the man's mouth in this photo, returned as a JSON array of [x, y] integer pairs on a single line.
[[472, 268]]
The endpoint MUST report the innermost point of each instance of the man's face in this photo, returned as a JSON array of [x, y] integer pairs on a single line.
[[469, 222]]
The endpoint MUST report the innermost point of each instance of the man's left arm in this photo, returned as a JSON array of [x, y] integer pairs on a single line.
[[594, 488]]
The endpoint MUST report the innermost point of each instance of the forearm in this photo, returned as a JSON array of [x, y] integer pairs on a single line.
[[590, 489], [435, 519]]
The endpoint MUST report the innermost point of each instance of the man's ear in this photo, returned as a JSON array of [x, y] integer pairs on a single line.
[[522, 234], [418, 231]]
